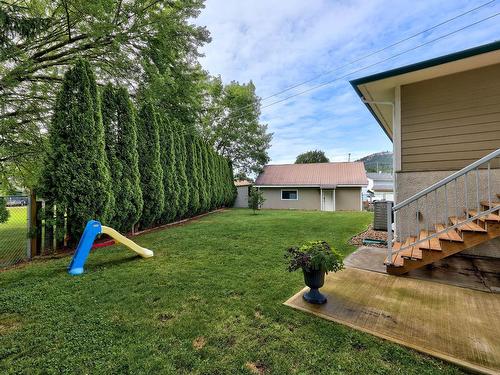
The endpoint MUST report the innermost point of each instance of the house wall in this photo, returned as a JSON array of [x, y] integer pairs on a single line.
[[409, 183], [242, 197], [309, 199], [348, 199], [451, 121]]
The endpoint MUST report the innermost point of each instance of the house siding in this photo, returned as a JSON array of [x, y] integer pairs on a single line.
[[242, 197], [348, 199], [309, 199], [449, 122]]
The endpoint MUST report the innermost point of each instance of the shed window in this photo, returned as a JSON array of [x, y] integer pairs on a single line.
[[289, 195]]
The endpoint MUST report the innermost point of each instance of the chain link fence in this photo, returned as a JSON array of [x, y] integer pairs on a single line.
[[14, 242]]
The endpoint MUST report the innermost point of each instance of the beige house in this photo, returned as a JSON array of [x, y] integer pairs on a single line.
[[443, 117], [319, 186]]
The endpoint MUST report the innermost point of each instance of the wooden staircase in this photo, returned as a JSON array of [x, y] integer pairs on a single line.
[[451, 241]]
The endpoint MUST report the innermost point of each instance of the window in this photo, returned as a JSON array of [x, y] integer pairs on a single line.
[[289, 195]]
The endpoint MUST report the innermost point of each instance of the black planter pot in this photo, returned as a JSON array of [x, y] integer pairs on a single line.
[[314, 280]]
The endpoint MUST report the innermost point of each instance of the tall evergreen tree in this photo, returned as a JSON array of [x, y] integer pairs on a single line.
[[220, 180], [76, 173], [203, 180], [193, 176], [121, 148], [170, 180], [211, 175], [150, 166], [181, 164]]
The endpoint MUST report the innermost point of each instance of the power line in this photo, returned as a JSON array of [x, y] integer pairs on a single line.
[[378, 51], [366, 56], [379, 62]]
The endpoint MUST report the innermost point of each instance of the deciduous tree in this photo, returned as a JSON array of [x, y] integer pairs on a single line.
[[231, 124], [315, 156]]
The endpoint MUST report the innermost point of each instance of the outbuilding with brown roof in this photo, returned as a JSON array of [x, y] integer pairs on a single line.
[[319, 186]]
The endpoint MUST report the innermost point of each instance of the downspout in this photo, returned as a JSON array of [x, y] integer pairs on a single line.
[[321, 199], [390, 237]]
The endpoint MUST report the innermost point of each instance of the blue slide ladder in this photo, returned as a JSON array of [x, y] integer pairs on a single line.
[[92, 230]]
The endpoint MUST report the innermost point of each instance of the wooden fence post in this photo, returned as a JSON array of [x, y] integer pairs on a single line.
[[49, 228], [32, 218], [39, 228]]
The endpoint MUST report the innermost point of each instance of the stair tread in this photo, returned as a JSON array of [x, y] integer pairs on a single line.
[[449, 235], [412, 252], [469, 227], [493, 203], [489, 217], [431, 244], [397, 260]]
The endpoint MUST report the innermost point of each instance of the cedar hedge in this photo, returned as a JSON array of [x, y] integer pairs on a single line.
[[106, 163]]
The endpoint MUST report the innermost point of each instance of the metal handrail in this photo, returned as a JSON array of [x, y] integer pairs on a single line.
[[447, 229], [448, 179], [433, 188]]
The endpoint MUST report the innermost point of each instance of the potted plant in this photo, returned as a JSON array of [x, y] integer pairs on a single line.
[[315, 258]]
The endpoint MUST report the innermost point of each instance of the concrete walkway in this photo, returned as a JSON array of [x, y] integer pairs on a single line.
[[453, 323]]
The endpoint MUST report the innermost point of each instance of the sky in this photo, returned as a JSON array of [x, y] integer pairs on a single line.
[[278, 44]]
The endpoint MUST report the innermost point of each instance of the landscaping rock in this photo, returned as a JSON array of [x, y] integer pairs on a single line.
[[370, 233]]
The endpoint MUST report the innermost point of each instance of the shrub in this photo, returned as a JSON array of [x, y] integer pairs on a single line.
[[255, 199], [314, 256]]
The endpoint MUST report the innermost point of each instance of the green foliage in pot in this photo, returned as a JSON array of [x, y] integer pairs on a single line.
[[314, 256]]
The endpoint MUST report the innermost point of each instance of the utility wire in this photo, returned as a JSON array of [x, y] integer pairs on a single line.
[[378, 51], [380, 62], [239, 113]]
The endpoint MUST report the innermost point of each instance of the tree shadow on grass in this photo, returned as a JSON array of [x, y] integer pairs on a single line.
[[112, 262]]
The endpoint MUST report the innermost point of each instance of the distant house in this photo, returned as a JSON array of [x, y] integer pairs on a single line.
[[243, 187], [319, 186], [380, 186]]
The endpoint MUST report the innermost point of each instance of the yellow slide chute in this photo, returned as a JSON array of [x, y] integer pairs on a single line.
[[142, 251], [91, 231]]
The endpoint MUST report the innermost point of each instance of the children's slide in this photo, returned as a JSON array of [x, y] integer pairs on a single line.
[[92, 230]]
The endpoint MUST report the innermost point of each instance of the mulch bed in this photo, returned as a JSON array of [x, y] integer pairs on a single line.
[[370, 233]]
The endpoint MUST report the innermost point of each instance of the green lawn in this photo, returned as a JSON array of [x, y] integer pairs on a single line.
[[209, 302], [13, 236]]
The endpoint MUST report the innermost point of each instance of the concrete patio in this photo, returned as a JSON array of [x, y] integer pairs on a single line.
[[450, 311]]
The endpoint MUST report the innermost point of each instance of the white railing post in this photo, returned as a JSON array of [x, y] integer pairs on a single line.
[[489, 186], [389, 232]]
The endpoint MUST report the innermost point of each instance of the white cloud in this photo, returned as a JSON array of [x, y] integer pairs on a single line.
[[279, 43]]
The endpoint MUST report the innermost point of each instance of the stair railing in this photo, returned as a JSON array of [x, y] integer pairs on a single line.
[[423, 199]]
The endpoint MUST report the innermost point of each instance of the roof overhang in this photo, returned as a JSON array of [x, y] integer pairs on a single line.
[[381, 86]]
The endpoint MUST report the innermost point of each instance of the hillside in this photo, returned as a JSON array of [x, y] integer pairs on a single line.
[[378, 162]]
